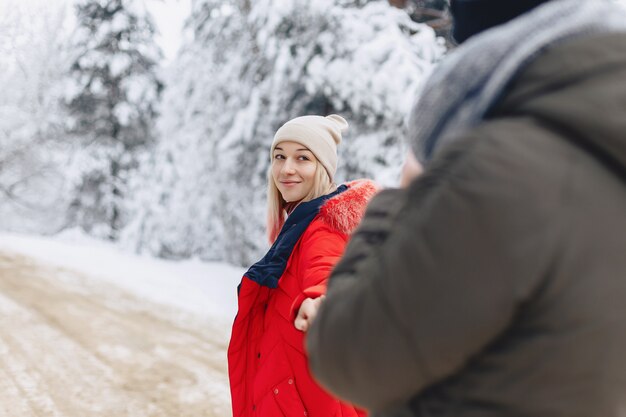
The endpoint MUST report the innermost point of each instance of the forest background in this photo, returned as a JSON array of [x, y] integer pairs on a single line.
[[167, 155]]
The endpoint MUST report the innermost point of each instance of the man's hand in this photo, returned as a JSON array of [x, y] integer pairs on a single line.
[[307, 313]]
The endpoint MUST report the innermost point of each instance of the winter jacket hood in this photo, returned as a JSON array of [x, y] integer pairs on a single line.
[[472, 79], [343, 212]]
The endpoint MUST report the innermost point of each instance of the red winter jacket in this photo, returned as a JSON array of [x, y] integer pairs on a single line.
[[267, 363]]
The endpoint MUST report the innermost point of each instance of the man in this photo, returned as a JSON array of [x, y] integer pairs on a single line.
[[495, 283]]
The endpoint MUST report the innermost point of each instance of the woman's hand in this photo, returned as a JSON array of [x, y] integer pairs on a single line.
[[307, 313], [411, 169]]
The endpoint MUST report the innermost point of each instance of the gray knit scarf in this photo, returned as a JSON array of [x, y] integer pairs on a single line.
[[471, 79]]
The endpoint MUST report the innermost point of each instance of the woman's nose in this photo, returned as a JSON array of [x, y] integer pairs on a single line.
[[288, 167]]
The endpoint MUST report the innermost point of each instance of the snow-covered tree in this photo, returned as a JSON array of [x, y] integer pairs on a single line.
[[32, 145], [112, 93], [246, 68]]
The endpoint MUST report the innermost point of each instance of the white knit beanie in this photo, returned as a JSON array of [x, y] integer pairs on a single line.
[[319, 134]]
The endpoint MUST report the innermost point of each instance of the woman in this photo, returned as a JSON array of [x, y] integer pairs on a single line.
[[309, 222]]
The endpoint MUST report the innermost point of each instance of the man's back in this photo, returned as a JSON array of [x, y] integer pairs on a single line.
[[554, 153]]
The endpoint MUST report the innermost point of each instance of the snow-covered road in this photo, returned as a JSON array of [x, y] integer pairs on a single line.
[[74, 346]]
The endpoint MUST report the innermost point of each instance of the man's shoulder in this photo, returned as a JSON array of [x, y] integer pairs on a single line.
[[504, 162]]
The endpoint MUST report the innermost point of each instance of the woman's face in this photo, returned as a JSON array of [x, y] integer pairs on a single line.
[[293, 170]]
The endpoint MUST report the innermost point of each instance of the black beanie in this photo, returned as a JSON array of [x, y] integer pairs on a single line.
[[474, 16]]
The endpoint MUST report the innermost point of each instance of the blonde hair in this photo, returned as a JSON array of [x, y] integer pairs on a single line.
[[278, 208]]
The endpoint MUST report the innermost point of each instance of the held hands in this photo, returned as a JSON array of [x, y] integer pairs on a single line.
[[308, 311]]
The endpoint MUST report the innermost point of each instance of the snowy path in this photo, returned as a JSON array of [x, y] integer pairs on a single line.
[[72, 346]]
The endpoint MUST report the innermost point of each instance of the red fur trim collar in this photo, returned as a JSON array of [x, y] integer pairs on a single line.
[[344, 211]]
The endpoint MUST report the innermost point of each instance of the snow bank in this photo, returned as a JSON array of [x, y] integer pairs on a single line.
[[207, 290]]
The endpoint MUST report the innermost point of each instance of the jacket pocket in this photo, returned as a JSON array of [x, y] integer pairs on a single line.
[[288, 399]]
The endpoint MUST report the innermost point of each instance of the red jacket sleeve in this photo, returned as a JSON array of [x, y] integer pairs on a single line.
[[320, 249]]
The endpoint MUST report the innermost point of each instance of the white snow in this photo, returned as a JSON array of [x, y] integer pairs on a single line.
[[205, 289]]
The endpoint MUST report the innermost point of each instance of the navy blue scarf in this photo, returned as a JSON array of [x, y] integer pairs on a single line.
[[268, 270]]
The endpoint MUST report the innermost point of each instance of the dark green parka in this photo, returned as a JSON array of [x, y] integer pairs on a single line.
[[495, 285]]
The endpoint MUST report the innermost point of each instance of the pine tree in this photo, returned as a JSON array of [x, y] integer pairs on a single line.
[[112, 97]]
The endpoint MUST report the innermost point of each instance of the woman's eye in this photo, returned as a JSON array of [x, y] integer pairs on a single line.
[[279, 156], [303, 158]]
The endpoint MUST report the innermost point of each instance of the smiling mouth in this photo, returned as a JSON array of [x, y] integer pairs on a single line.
[[289, 182]]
